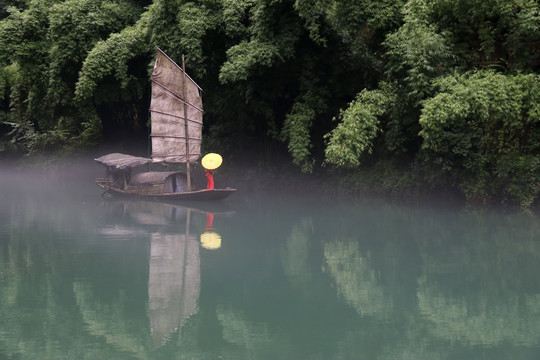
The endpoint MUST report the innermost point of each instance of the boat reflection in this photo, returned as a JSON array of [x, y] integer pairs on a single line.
[[210, 239], [174, 278], [174, 283]]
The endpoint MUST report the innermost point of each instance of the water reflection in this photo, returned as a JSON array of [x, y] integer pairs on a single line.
[[174, 264], [356, 279], [482, 289], [210, 239], [475, 277], [173, 283], [284, 278]]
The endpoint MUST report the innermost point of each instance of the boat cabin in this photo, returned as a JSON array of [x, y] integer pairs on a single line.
[[157, 182], [119, 177]]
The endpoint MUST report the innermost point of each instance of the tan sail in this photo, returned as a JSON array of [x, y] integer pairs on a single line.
[[170, 110], [176, 116]]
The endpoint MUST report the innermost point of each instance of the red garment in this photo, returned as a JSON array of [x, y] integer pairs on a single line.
[[210, 179], [209, 221]]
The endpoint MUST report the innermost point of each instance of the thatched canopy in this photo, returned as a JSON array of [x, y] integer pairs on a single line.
[[122, 161]]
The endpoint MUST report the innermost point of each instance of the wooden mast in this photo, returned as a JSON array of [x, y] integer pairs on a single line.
[[186, 126]]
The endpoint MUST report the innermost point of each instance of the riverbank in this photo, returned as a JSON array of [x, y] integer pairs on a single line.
[[378, 181]]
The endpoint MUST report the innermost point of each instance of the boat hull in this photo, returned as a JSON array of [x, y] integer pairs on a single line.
[[197, 195]]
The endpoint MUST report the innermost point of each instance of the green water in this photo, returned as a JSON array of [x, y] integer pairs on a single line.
[[271, 276]]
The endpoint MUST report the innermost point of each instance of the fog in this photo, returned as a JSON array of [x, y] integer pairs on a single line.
[[274, 271]]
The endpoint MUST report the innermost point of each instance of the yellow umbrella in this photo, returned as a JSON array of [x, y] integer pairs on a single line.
[[210, 240], [211, 161]]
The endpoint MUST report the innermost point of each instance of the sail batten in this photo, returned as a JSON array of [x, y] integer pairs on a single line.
[[176, 96], [176, 118], [172, 137]]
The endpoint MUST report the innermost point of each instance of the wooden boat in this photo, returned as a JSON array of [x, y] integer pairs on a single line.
[[176, 116]]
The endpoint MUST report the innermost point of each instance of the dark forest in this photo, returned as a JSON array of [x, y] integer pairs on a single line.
[[393, 95]]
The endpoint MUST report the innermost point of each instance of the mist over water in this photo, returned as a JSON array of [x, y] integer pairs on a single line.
[[260, 275]]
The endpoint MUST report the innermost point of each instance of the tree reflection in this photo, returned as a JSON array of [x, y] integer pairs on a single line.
[[479, 284], [357, 282], [295, 255], [290, 282], [238, 329], [108, 321]]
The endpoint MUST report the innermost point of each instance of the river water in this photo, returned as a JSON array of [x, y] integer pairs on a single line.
[[261, 275]]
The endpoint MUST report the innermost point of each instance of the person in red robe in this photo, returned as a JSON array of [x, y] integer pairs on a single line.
[[210, 179]]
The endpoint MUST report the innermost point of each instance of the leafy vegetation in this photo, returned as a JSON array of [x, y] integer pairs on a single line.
[[483, 129], [447, 89]]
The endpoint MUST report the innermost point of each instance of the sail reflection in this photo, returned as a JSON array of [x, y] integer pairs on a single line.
[[174, 275], [174, 283]]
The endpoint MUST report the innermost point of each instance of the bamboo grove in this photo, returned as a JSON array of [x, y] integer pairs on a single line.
[[442, 94]]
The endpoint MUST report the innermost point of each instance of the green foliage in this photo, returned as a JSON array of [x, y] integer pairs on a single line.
[[490, 32], [74, 72], [194, 23], [296, 128], [314, 13], [441, 37], [418, 52], [360, 24], [273, 32], [109, 57], [481, 128], [45, 45], [245, 57], [298, 124], [75, 28], [22, 138], [234, 17], [92, 133], [359, 125], [24, 43]]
